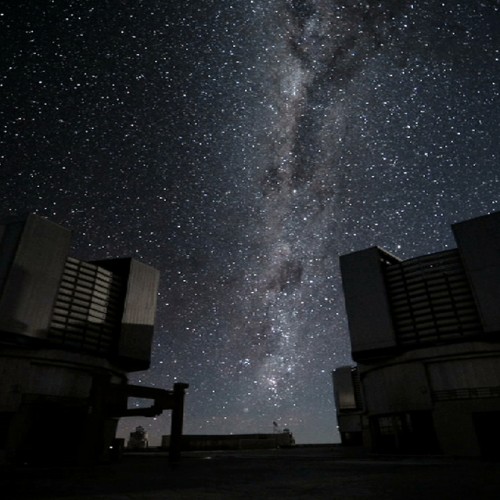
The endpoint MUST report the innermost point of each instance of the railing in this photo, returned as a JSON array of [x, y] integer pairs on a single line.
[[466, 393]]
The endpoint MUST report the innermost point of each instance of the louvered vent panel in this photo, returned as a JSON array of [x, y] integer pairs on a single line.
[[88, 308], [431, 299]]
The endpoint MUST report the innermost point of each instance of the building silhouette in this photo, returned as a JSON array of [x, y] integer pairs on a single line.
[[70, 332], [425, 334]]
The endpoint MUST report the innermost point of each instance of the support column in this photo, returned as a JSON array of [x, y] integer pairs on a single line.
[[177, 421]]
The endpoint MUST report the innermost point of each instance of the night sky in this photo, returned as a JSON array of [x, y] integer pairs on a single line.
[[240, 147]]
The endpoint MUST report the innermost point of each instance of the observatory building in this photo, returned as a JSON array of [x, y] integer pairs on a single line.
[[425, 334], [70, 331]]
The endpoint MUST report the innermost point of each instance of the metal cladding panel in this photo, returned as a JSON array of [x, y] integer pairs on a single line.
[[367, 304], [345, 397], [478, 241], [139, 315], [398, 388], [10, 234], [478, 372], [30, 285]]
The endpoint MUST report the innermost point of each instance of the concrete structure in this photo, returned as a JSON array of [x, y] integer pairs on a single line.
[[233, 441], [70, 331], [425, 334]]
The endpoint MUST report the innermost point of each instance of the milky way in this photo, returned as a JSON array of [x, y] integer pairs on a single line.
[[240, 147]]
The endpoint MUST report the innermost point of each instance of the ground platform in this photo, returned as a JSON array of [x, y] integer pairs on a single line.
[[302, 472]]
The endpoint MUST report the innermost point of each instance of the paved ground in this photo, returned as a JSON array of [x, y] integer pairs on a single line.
[[326, 472]]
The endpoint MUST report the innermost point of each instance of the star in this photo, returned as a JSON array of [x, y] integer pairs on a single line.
[[240, 148]]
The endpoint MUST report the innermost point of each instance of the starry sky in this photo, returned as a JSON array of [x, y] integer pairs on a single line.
[[240, 147]]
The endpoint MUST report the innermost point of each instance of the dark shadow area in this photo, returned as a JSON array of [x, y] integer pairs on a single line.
[[316, 472], [488, 433]]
